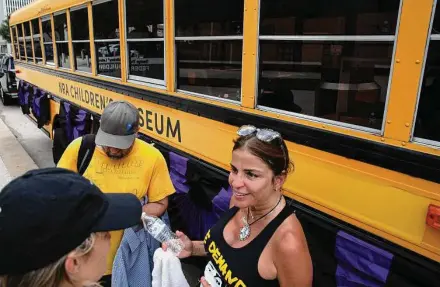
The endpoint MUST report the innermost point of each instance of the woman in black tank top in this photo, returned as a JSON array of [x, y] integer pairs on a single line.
[[258, 242]]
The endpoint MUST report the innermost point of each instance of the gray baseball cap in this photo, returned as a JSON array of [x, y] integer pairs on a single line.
[[119, 125]]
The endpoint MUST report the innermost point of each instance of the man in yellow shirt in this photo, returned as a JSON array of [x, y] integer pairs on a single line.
[[121, 163]]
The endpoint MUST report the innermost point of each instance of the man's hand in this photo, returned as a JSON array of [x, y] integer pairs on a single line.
[[157, 208]]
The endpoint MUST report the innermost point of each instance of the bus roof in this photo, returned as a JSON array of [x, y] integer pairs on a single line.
[[42, 7]]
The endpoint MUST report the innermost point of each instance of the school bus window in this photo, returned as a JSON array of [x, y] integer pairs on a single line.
[[37, 41], [327, 59], [62, 40], [428, 113], [334, 17], [145, 40], [47, 40], [21, 42], [16, 49], [106, 29], [28, 40], [209, 40], [80, 39]]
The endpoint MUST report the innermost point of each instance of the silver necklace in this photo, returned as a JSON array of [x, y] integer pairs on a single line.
[[245, 231]]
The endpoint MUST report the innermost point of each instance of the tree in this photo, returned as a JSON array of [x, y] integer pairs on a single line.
[[4, 30]]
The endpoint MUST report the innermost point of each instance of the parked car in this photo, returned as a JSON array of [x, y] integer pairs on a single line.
[[8, 81]]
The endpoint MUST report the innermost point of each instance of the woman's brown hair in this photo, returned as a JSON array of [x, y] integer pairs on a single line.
[[275, 153]]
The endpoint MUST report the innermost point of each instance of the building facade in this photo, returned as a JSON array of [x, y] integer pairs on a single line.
[[10, 6], [7, 7]]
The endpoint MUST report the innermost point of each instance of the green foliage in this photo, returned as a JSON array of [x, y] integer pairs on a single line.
[[4, 30]]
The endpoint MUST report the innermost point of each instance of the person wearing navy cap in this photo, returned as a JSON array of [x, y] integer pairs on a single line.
[[54, 229]]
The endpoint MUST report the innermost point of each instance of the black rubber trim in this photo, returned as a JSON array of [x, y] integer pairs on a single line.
[[409, 162], [328, 222]]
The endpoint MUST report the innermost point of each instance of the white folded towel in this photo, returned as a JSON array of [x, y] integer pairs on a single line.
[[167, 271]]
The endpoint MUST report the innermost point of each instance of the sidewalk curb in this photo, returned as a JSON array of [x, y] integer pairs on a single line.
[[14, 156]]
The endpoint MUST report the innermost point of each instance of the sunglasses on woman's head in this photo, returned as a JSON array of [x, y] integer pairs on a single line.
[[265, 135]]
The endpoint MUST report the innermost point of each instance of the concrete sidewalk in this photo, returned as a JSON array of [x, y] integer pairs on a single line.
[[5, 177], [14, 160]]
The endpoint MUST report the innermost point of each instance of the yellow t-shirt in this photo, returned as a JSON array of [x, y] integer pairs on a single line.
[[142, 172]]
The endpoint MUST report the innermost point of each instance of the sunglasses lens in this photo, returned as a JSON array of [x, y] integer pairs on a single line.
[[267, 135], [246, 130]]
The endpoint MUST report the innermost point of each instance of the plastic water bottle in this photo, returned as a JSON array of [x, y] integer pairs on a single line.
[[160, 231]]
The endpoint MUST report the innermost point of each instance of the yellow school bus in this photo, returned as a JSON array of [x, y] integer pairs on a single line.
[[351, 85]]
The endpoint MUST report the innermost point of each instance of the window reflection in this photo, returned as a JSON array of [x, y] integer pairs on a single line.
[[60, 22], [38, 52], [428, 116], [61, 38], [47, 30], [145, 33], [63, 55], [147, 59], [82, 57], [428, 111], [29, 55], [37, 41], [48, 49], [329, 17], [106, 20], [21, 41], [436, 23], [107, 44], [28, 40], [205, 66], [145, 19], [80, 40], [210, 68], [80, 24], [208, 18], [16, 49], [109, 59], [341, 81], [47, 40]]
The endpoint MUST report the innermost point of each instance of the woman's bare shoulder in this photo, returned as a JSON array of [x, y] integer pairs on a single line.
[[290, 233], [291, 255]]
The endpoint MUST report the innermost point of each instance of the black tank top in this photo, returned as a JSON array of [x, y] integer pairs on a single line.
[[238, 267]]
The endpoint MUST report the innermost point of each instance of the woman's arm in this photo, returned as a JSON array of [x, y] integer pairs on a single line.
[[198, 248], [293, 262]]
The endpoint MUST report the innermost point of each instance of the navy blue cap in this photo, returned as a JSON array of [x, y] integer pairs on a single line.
[[46, 213]]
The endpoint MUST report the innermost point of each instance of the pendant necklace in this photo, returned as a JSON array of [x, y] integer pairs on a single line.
[[245, 231]]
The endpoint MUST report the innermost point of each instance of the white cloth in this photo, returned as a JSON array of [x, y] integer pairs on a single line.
[[167, 271]]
